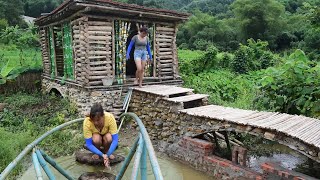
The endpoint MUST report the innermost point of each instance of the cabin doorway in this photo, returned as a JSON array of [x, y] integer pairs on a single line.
[[131, 66], [124, 32]]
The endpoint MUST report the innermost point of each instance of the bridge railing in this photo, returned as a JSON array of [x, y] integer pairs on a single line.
[[142, 147]]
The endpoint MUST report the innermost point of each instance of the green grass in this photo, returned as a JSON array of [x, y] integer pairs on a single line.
[[187, 55], [30, 58], [26, 117]]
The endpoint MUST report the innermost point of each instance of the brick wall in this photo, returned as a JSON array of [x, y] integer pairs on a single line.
[[274, 171], [199, 154]]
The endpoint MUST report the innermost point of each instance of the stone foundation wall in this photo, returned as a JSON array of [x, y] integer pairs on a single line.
[[162, 119], [84, 98]]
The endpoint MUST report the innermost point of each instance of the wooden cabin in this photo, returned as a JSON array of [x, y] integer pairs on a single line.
[[84, 45], [85, 41]]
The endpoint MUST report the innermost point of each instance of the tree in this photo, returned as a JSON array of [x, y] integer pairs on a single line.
[[259, 19], [139, 2], [11, 11], [34, 8], [203, 30]]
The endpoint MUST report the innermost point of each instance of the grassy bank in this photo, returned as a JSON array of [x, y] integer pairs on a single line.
[[225, 87], [29, 58], [26, 117]]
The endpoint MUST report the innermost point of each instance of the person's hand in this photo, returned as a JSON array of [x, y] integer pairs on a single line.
[[106, 160], [127, 56]]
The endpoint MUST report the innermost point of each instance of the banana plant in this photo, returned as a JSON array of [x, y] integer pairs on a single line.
[[7, 73]]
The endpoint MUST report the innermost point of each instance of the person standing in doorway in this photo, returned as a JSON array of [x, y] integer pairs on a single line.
[[142, 47]]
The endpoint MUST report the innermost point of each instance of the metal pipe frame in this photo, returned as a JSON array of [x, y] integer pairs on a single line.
[[136, 163], [27, 149], [125, 107], [128, 160], [36, 165], [143, 162], [56, 165], [44, 165], [152, 155]]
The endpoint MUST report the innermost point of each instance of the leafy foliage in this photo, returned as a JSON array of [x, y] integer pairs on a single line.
[[293, 87], [7, 73], [258, 19], [254, 56], [11, 11], [224, 87], [22, 38]]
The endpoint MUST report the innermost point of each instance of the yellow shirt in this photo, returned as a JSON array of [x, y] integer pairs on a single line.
[[110, 126]]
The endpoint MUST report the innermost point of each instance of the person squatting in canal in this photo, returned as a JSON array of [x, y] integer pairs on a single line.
[[142, 47], [100, 130]]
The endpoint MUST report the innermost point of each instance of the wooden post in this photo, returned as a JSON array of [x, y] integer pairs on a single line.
[[113, 50], [228, 143], [216, 141], [55, 54], [86, 46], [175, 55], [154, 50]]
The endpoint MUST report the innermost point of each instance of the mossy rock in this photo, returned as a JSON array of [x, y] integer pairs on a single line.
[[97, 176], [85, 157]]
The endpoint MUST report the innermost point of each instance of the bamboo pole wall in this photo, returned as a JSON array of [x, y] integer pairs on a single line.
[[175, 54], [79, 48], [99, 50], [44, 40], [165, 50]]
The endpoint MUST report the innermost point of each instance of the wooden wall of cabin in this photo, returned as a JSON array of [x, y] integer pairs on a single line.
[[92, 42], [166, 51], [44, 41], [79, 27]]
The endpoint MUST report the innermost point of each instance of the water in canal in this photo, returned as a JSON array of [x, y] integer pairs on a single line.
[[170, 170]]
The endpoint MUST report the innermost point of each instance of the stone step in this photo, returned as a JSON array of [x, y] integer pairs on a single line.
[[115, 110], [117, 106], [188, 98]]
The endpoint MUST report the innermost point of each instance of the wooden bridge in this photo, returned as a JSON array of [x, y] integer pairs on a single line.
[[299, 133]]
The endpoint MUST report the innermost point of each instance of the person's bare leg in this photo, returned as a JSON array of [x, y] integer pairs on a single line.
[[138, 65], [143, 64], [106, 142], [97, 142], [137, 78]]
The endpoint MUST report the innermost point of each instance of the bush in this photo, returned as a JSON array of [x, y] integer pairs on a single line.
[[22, 38], [201, 44], [204, 63], [252, 57], [293, 87], [3, 24], [224, 88]]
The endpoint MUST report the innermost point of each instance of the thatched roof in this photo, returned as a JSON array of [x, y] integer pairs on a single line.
[[70, 7]]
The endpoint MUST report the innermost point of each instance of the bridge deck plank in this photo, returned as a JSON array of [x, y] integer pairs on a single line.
[[304, 128], [163, 90]]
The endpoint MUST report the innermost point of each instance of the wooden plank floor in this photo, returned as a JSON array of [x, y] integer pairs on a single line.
[[164, 90], [301, 127]]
